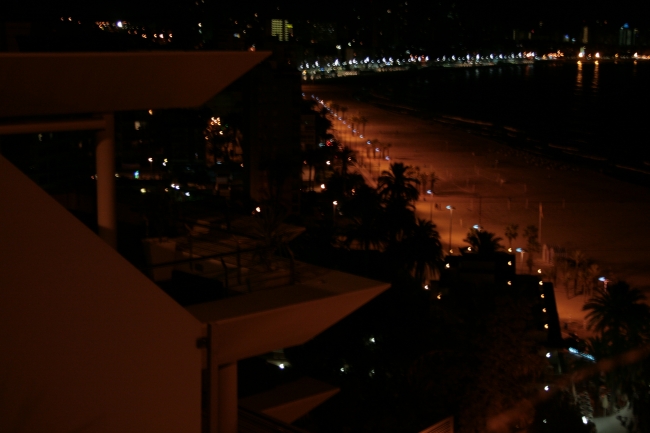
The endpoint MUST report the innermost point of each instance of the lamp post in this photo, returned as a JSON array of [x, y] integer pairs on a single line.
[[334, 203], [521, 251], [451, 213], [604, 281]]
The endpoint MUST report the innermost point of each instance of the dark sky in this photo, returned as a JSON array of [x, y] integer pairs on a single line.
[[513, 11]]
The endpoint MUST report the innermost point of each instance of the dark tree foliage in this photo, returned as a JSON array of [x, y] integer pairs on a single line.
[[483, 242]]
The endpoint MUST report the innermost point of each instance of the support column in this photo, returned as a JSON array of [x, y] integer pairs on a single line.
[[223, 406], [105, 169], [228, 408]]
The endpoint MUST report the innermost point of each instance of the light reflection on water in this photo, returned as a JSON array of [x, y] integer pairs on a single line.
[[579, 77], [581, 100]]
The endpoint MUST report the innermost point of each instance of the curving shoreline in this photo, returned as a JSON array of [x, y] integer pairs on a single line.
[[581, 121], [584, 210]]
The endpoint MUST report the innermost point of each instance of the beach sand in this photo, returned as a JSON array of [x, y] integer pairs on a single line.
[[605, 218]]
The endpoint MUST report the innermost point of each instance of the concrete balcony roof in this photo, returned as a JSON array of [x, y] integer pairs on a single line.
[[257, 323], [46, 84]]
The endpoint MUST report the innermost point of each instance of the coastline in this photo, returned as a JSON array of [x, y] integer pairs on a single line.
[[492, 184], [574, 146]]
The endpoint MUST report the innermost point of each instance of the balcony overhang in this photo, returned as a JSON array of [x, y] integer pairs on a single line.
[[47, 84], [290, 401], [257, 323]]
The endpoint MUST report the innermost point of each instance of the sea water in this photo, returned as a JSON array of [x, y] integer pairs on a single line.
[[593, 113]]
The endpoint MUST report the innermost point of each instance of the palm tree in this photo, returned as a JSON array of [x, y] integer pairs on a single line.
[[368, 225], [531, 234], [512, 233], [341, 187], [363, 121], [432, 181], [590, 276], [422, 251], [271, 234], [354, 120], [619, 314], [399, 220], [483, 242], [398, 185], [348, 157], [577, 263]]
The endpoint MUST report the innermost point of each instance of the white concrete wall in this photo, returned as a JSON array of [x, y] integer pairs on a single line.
[[88, 342]]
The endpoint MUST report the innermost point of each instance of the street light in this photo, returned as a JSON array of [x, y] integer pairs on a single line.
[[334, 203], [451, 213], [605, 281], [521, 251], [150, 163]]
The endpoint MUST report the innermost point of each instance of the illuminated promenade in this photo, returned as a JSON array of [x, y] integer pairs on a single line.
[[489, 183]]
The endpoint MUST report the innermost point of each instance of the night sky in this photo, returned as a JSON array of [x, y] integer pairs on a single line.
[[503, 11]]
